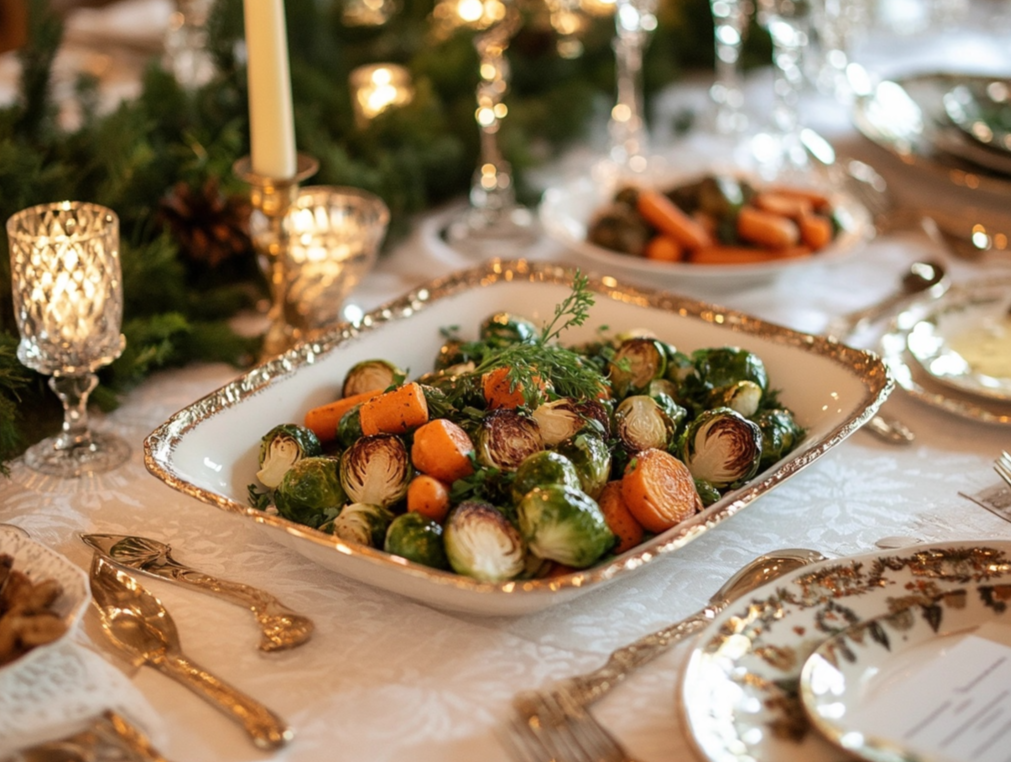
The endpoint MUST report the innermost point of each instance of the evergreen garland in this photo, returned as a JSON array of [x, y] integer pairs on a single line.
[[177, 305]]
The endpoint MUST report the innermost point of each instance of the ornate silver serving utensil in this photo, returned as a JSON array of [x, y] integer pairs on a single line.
[[139, 625], [587, 688], [282, 628], [110, 737]]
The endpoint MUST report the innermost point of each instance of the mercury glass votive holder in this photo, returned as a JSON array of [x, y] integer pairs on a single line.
[[333, 239], [68, 304]]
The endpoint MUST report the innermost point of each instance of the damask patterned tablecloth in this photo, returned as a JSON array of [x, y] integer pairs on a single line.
[[386, 678]]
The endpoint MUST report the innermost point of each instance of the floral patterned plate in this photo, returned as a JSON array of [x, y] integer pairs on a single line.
[[739, 691], [844, 683]]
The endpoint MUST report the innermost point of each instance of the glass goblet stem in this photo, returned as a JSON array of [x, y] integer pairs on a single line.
[[492, 189], [730, 20], [789, 38], [73, 392], [635, 20]]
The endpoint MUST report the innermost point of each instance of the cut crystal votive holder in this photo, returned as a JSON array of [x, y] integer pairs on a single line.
[[68, 304]]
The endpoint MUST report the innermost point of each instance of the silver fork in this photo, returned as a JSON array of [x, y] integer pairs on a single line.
[[1003, 467], [564, 732]]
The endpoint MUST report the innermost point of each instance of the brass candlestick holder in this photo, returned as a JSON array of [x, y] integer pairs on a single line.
[[271, 199]]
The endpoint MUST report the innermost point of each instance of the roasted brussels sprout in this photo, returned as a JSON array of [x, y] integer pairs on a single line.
[[505, 438], [780, 434], [370, 376], [481, 543], [310, 492], [679, 367], [503, 328], [641, 423], [620, 228], [281, 448], [565, 525], [362, 523], [722, 447], [591, 456], [376, 469], [418, 539], [558, 420], [451, 354], [543, 468], [723, 366], [674, 411], [707, 492], [349, 427], [743, 396], [636, 362]]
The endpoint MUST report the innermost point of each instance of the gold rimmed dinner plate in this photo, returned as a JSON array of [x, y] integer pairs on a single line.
[[924, 364], [851, 686], [964, 341], [740, 689], [906, 116]]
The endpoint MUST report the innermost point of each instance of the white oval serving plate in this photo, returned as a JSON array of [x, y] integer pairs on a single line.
[[209, 449]]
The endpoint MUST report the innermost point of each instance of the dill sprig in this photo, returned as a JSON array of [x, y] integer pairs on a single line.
[[545, 360]]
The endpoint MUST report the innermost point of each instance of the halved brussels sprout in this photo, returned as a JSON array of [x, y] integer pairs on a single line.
[[722, 447], [543, 468], [418, 539], [310, 492], [281, 448], [591, 456], [674, 411], [361, 523], [503, 328], [636, 362], [349, 427], [370, 376], [504, 438], [641, 423], [481, 543], [558, 420], [744, 396], [565, 525], [376, 469], [780, 434]]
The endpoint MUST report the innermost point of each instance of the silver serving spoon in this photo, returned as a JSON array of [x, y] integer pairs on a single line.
[[928, 278], [139, 625], [587, 688], [280, 627]]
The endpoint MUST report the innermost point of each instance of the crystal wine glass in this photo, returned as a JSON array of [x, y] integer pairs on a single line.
[[780, 152], [635, 22], [494, 221], [730, 23], [68, 303]]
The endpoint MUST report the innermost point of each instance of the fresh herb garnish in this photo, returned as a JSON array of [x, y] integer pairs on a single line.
[[544, 362]]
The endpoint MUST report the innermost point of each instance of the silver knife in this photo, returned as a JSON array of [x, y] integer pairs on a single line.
[[281, 627], [139, 625]]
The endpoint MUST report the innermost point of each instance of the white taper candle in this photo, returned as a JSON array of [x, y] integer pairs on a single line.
[[271, 123]]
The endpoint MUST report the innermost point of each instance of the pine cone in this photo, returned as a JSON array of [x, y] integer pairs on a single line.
[[210, 227]]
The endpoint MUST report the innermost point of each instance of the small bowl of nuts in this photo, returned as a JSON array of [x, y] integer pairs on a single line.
[[42, 598]]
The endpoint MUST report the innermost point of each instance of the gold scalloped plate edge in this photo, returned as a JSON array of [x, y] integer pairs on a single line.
[[865, 366]]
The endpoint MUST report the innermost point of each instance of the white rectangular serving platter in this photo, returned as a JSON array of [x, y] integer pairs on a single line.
[[209, 449]]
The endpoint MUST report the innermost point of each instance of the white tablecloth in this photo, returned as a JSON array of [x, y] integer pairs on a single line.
[[385, 678]]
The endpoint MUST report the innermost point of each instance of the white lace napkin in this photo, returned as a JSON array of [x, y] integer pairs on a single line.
[[58, 690]]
